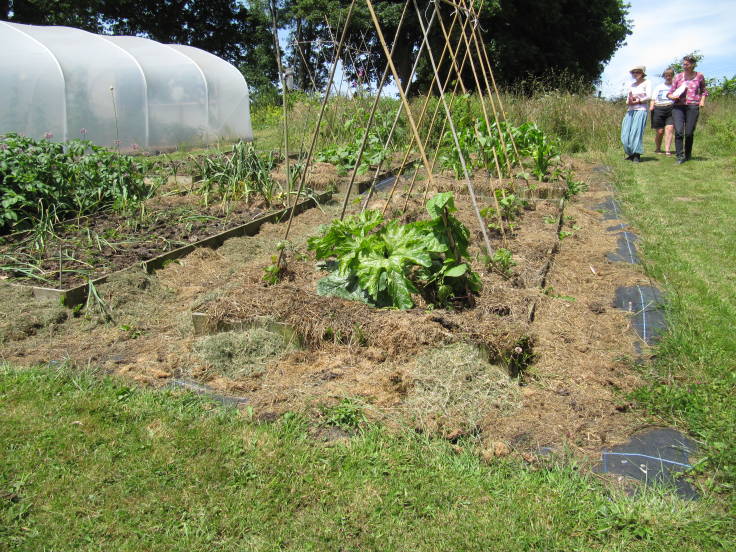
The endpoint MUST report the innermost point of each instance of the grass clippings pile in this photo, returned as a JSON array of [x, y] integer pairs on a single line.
[[454, 388], [241, 353]]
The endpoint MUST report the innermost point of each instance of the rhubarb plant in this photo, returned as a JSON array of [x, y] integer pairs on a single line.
[[383, 263]]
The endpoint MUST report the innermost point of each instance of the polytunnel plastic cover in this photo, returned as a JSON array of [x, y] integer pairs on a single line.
[[118, 91]]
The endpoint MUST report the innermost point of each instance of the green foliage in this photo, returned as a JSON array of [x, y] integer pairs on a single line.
[[385, 262], [503, 260], [42, 180], [724, 87], [572, 187], [344, 156], [346, 414], [235, 175], [543, 150], [510, 206], [481, 147]]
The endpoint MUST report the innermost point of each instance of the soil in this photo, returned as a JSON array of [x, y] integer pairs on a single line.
[[541, 360], [95, 246]]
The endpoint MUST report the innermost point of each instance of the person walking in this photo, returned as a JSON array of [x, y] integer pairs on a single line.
[[632, 127], [661, 109], [688, 91]]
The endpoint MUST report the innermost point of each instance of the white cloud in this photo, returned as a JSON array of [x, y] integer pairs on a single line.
[[663, 32]]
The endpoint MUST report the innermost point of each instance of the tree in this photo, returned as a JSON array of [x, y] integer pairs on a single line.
[[562, 42], [237, 32]]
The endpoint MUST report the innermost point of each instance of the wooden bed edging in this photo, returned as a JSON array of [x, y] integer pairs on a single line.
[[77, 295]]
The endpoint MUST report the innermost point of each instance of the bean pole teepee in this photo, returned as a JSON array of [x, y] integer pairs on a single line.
[[463, 45]]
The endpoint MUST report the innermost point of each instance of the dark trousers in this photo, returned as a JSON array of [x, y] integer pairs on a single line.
[[685, 117]]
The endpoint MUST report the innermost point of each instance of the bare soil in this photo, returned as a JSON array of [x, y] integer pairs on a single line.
[[541, 360]]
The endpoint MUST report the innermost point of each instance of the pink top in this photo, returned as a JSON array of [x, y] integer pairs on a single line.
[[695, 89]]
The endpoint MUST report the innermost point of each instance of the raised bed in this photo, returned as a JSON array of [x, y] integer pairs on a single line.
[[75, 295]]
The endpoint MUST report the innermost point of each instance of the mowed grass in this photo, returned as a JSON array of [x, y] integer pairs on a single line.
[[686, 216], [89, 463]]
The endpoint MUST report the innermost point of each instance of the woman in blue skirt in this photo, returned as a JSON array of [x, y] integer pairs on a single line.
[[637, 101]]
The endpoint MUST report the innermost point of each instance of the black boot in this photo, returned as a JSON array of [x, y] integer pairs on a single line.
[[636, 158]]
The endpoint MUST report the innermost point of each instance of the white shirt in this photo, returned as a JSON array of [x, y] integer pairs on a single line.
[[642, 92], [660, 95]]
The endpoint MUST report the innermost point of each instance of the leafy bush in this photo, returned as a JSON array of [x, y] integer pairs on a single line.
[[38, 177], [383, 263]]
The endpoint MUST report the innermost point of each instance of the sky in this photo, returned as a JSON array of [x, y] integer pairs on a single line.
[[667, 30]]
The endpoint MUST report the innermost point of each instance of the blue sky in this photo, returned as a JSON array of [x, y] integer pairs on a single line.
[[664, 31]]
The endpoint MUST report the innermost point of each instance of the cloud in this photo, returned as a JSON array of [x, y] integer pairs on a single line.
[[664, 32]]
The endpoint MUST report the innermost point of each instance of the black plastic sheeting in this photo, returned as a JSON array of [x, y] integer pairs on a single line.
[[610, 208], [617, 227], [625, 249], [208, 392], [648, 307], [656, 456]]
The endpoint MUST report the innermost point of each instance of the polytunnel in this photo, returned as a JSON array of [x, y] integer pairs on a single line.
[[121, 92]]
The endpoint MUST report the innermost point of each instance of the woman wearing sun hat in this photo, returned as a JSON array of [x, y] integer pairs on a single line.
[[637, 101]]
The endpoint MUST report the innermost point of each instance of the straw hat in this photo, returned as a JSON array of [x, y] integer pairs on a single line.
[[641, 68]]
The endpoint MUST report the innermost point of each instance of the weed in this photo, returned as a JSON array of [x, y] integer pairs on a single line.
[[347, 414]]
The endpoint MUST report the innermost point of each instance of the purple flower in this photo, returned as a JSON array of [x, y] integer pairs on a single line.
[[135, 147], [3, 146], [48, 136], [83, 131]]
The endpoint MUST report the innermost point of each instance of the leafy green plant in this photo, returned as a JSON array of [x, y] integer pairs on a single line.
[[383, 262], [543, 150], [344, 156], [572, 187], [510, 206], [40, 179], [503, 261], [346, 414]]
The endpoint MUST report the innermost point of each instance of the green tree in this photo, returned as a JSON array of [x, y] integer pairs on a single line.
[[562, 42], [235, 31]]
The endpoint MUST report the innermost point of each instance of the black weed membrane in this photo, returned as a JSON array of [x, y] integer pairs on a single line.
[[658, 456], [610, 209], [647, 306], [625, 249]]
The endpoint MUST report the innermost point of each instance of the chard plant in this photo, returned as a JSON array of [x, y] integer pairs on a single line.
[[383, 263]]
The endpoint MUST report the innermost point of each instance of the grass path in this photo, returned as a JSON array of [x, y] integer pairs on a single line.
[[90, 464], [686, 216]]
